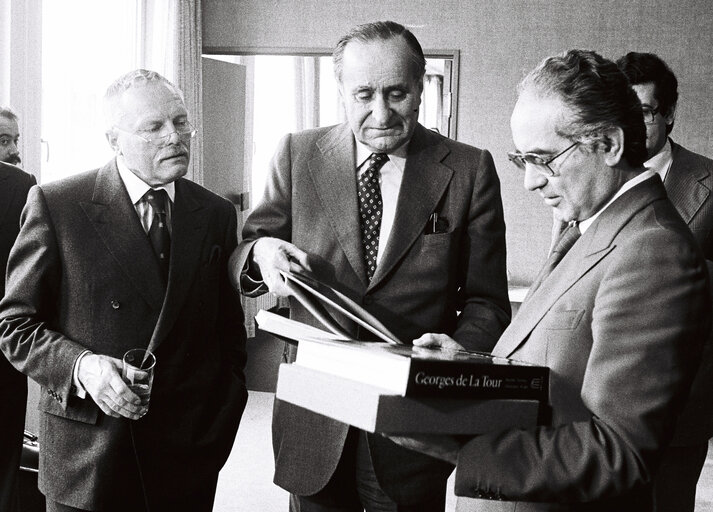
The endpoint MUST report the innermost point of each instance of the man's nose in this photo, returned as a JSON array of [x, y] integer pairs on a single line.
[[381, 110], [533, 179]]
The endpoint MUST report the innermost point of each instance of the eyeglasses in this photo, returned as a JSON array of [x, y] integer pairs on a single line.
[[650, 114], [184, 130], [541, 164]]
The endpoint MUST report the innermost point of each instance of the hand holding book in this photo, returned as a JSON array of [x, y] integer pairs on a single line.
[[273, 256], [438, 340]]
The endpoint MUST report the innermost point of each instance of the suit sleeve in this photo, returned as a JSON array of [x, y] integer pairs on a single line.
[[272, 217], [648, 316], [483, 294], [231, 318], [28, 308]]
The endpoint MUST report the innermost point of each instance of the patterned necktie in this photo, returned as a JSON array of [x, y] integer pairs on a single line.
[[370, 210], [565, 242], [158, 233]]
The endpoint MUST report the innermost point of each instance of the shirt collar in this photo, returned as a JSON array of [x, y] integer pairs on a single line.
[[398, 156], [136, 187], [584, 225], [661, 161]]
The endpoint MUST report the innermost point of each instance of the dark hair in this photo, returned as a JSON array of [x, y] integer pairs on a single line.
[[599, 97], [381, 30], [641, 68]]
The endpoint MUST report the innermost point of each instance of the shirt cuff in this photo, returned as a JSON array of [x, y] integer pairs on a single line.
[[77, 388], [251, 283]]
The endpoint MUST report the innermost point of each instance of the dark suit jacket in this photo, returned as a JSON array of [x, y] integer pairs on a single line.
[[82, 275], [620, 324], [689, 183], [14, 185], [419, 285]]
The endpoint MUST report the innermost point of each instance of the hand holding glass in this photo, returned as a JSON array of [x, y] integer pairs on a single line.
[[137, 371]]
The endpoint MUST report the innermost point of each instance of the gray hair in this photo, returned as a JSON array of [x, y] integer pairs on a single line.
[[136, 78], [599, 97], [383, 31]]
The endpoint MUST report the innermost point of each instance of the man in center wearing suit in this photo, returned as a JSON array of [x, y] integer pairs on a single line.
[[619, 312], [438, 248], [688, 178], [131, 255]]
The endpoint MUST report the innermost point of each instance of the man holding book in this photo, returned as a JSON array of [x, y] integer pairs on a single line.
[[618, 313], [403, 221]]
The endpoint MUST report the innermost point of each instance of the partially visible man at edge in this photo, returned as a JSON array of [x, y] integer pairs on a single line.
[[619, 312], [14, 186], [439, 248], [688, 179], [131, 255], [9, 137]]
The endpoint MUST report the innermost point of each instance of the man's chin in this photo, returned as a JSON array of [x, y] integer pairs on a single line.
[[385, 144]]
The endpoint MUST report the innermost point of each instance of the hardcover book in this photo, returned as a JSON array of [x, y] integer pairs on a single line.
[[374, 409], [411, 371]]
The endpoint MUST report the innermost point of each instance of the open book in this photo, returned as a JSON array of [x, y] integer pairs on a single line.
[[321, 300]]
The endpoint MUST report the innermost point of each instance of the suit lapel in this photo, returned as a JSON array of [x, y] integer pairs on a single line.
[[115, 220], [189, 227], [590, 249], [424, 181], [684, 184], [333, 172]]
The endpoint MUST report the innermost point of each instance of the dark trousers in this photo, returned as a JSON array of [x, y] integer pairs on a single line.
[[13, 395], [675, 482], [354, 487]]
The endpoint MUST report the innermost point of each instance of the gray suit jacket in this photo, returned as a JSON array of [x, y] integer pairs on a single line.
[[620, 323], [421, 283], [689, 183], [82, 275]]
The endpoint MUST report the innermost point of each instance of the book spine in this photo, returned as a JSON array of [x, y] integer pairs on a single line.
[[477, 381]]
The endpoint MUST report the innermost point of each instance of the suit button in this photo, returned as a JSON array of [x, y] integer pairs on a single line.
[[115, 304]]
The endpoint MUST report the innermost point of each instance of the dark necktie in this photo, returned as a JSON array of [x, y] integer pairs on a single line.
[[370, 210], [565, 242], [158, 233]]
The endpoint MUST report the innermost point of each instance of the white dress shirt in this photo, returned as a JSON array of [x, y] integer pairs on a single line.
[[661, 162]]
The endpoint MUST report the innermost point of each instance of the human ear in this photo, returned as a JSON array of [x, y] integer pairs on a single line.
[[613, 146], [113, 139]]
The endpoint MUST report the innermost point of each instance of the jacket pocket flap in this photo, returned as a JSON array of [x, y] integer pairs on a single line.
[[563, 319]]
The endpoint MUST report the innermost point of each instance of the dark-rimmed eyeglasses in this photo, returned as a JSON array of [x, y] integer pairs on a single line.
[[650, 114], [539, 162], [185, 131]]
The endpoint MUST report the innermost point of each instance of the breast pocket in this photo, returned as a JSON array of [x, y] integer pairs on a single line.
[[563, 320]]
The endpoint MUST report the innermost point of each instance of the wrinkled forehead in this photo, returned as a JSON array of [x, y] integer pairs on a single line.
[[539, 122], [8, 127], [371, 60], [155, 100]]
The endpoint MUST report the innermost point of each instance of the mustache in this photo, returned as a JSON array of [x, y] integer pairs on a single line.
[[13, 160]]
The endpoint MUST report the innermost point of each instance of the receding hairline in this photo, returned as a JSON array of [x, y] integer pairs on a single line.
[[137, 79]]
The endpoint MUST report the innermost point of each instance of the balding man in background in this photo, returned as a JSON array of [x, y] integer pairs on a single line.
[[14, 186]]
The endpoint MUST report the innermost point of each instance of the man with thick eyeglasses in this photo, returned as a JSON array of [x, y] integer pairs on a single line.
[[131, 255], [618, 313], [688, 178]]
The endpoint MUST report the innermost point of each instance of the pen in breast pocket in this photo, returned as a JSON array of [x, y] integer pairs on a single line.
[[434, 221]]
